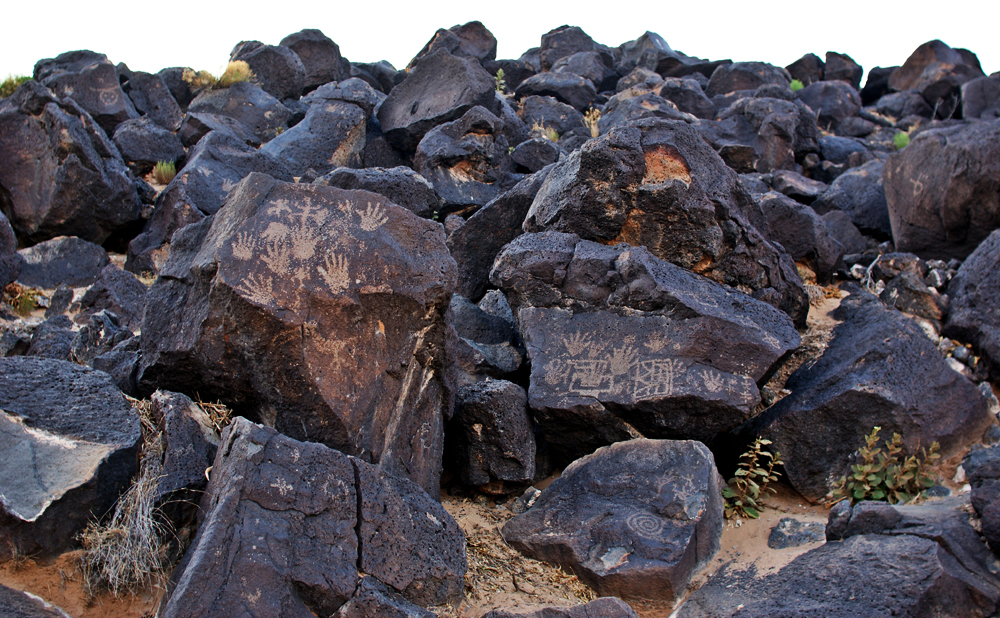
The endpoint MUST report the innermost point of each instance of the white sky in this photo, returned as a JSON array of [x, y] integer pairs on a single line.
[[149, 36]]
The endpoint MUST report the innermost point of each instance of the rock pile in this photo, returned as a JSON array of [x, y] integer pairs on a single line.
[[600, 260]]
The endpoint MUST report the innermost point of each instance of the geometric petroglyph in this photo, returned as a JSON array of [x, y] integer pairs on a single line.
[[645, 525], [590, 377], [557, 372], [656, 378]]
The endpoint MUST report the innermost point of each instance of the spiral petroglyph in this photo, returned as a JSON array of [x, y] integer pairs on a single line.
[[645, 525]]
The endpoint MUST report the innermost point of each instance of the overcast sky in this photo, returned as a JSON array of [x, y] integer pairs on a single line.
[[149, 36]]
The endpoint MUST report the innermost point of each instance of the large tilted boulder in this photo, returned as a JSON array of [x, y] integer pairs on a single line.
[[973, 314], [331, 135], [69, 444], [440, 88], [880, 369], [472, 40], [248, 103], [624, 344], [401, 185], [981, 98], [636, 520], [347, 294], [879, 560], [152, 99], [943, 190], [656, 183], [60, 174], [937, 72], [91, 80], [287, 528], [860, 193], [63, 260], [745, 76], [320, 57], [276, 68], [802, 233]]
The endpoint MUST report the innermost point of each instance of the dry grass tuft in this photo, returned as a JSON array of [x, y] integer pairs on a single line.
[[540, 130], [590, 120], [23, 300], [128, 553], [217, 412], [238, 71], [164, 172]]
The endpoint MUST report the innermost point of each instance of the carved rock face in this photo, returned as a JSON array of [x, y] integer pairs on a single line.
[[316, 310]]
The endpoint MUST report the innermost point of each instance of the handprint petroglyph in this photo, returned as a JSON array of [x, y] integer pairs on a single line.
[[373, 217], [334, 272]]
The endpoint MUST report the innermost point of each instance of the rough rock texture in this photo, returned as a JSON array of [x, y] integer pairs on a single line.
[[842, 67], [197, 125], [276, 68], [548, 113], [656, 183], [475, 245], [152, 99], [491, 437], [573, 90], [472, 40], [689, 97], [635, 519], [190, 444], [974, 311], [937, 72], [879, 369], [534, 154], [288, 525], [320, 57], [214, 167], [802, 233], [89, 79], [17, 604], [467, 160], [861, 194], [143, 143], [372, 598], [346, 292], [833, 101], [595, 321], [604, 607], [401, 185], [745, 76], [248, 103], [69, 443], [66, 260], [99, 335], [118, 291], [331, 135], [982, 468], [439, 88], [943, 190], [562, 42], [790, 532], [10, 261], [981, 98], [60, 174]]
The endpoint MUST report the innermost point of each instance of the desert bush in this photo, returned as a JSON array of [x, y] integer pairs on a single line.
[[22, 299], [164, 172], [540, 130], [743, 494], [500, 83], [9, 85], [590, 120], [237, 71], [884, 473], [900, 140], [796, 85]]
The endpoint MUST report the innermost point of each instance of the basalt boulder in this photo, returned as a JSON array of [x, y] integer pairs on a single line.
[[943, 190], [331, 135], [688, 96], [472, 40], [143, 143], [69, 442], [604, 607], [974, 311], [276, 68], [63, 260], [401, 185], [320, 57], [879, 369], [981, 97], [802, 233], [11, 262], [859, 192], [937, 71], [833, 102], [152, 99], [116, 290], [246, 102], [541, 113], [60, 174], [745, 76], [348, 294], [562, 42], [573, 90], [656, 183], [625, 344], [197, 125], [636, 520], [91, 80]]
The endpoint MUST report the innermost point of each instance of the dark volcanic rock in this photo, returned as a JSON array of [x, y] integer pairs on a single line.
[[635, 519], [331, 135], [790, 532], [807, 69], [634, 104], [190, 442], [10, 261], [590, 66], [974, 311], [840, 226], [401, 185], [61, 175], [320, 57], [89, 79], [802, 233], [467, 160], [604, 607], [118, 291], [297, 521], [689, 97], [471, 40], [981, 98], [656, 183], [833, 101], [860, 193], [69, 443], [17, 604], [122, 364], [152, 99], [576, 91], [475, 245], [248, 103], [197, 125], [562, 42], [937, 72], [843, 68], [491, 437], [796, 186], [594, 320], [99, 335], [65, 260], [143, 143], [899, 105], [745, 76], [880, 369], [534, 154], [276, 68], [53, 339], [440, 88], [345, 290], [943, 190], [548, 113], [372, 598]]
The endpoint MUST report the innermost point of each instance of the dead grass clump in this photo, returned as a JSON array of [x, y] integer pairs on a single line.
[[128, 553], [237, 71], [23, 300], [538, 129], [218, 413]]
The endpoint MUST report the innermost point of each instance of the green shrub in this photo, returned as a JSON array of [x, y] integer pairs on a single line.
[[23, 300], [10, 84], [796, 85], [900, 140], [743, 493], [501, 85], [164, 172], [885, 474]]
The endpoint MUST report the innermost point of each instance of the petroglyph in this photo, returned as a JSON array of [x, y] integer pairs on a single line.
[[334, 272], [577, 343], [656, 378], [108, 96], [656, 343], [713, 380], [243, 247], [622, 360], [645, 525], [373, 217], [590, 377], [557, 372]]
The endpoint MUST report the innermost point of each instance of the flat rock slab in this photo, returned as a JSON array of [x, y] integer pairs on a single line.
[[66, 260], [345, 291], [635, 519], [288, 525], [790, 532], [604, 607], [69, 441]]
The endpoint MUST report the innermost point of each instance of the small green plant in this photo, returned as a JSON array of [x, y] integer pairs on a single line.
[[796, 85], [743, 494], [539, 129], [501, 85], [164, 172], [901, 140], [9, 85], [237, 71], [23, 300], [590, 119], [885, 474]]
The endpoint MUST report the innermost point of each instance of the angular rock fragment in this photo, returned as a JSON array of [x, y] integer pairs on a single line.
[[802, 233], [573, 90], [401, 185], [331, 135], [143, 144], [118, 291], [246, 102], [745, 76], [276, 68], [974, 311], [320, 58], [152, 99], [64, 260], [937, 72], [859, 192], [90, 79]]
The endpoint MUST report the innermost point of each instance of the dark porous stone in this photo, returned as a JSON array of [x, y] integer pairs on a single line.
[[802, 233], [573, 90], [842, 67], [745, 76], [604, 607], [99, 335], [401, 185], [65, 260], [937, 72], [833, 102], [152, 99], [53, 339], [118, 291], [534, 154], [860, 192], [902, 104], [636, 519], [974, 292], [69, 442], [981, 98], [807, 69], [472, 40], [908, 292], [197, 125], [143, 144], [548, 113], [796, 186], [840, 226], [591, 66], [90, 79], [331, 135], [122, 364], [373, 598], [18, 604], [276, 68], [370, 376], [246, 102], [320, 57], [562, 42], [688, 95], [790, 532]]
